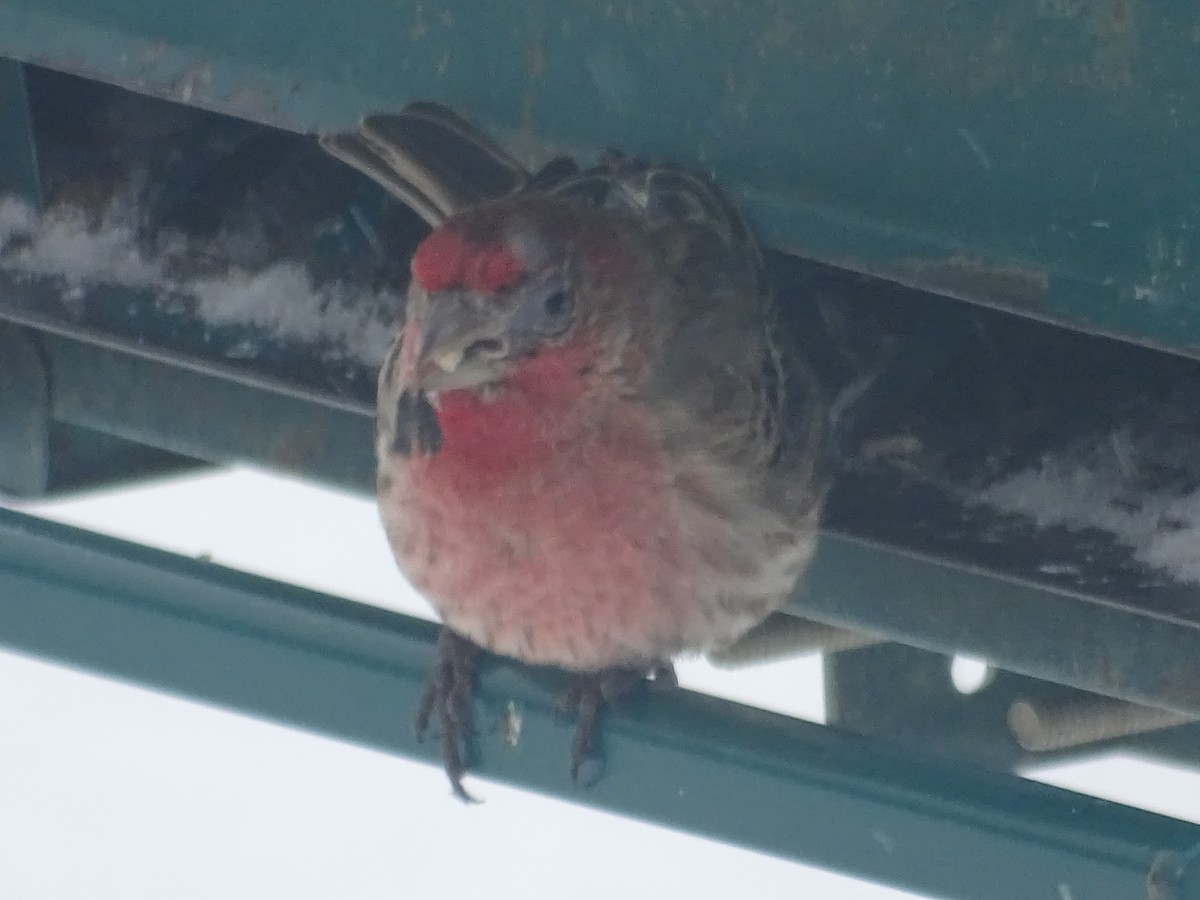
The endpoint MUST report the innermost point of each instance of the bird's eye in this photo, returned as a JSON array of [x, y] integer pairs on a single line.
[[557, 305], [544, 307]]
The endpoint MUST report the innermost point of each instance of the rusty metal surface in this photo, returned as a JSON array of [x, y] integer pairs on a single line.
[[1034, 155]]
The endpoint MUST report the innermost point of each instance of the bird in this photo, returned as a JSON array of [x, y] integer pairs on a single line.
[[597, 450]]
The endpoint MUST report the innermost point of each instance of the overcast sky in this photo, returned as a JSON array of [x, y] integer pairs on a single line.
[[110, 791]]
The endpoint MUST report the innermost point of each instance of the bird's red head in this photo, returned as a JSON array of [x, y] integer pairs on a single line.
[[448, 259], [499, 334], [490, 302]]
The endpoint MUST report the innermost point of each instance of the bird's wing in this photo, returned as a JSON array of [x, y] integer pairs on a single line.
[[733, 384], [741, 387]]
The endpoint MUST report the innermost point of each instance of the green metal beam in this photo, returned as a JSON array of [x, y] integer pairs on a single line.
[[934, 604], [1033, 629], [688, 761], [41, 455], [1038, 156], [202, 413]]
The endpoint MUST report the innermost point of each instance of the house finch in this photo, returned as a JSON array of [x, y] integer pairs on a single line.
[[595, 451]]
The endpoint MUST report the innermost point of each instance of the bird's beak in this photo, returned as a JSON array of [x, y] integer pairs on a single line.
[[462, 344]]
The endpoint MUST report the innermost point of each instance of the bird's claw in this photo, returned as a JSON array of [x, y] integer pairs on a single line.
[[449, 692], [589, 694]]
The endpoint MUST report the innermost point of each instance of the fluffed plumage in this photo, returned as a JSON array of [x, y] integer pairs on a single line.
[[595, 450]]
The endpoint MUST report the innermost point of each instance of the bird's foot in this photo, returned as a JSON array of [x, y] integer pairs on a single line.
[[592, 692], [449, 692]]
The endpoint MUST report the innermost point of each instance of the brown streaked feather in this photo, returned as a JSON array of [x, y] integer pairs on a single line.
[[737, 406], [740, 389], [352, 149], [729, 382], [436, 161], [430, 157]]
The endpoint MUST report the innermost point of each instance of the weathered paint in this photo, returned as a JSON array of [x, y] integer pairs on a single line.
[[914, 138]]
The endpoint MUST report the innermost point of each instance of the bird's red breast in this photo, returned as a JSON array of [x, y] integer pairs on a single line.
[[544, 535]]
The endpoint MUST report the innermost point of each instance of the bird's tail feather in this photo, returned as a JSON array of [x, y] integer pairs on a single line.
[[429, 157]]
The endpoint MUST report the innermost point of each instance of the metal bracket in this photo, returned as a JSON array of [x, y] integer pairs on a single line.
[[40, 454], [19, 173], [907, 695], [24, 415]]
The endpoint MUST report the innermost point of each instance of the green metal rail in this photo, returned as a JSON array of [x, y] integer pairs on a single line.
[[921, 601], [692, 762]]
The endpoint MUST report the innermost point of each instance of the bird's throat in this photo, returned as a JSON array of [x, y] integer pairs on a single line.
[[519, 424]]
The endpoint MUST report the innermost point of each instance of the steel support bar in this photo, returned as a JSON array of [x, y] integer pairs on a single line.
[[908, 696], [692, 762], [1022, 627], [219, 419], [1035, 156], [855, 584]]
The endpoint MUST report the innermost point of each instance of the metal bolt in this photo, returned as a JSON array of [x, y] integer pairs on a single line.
[[1042, 726]]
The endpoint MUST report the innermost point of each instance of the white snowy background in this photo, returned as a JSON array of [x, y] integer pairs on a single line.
[[112, 792]]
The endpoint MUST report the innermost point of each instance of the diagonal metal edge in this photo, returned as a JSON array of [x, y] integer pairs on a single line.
[[857, 584], [917, 600], [1024, 627], [19, 171], [692, 762]]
